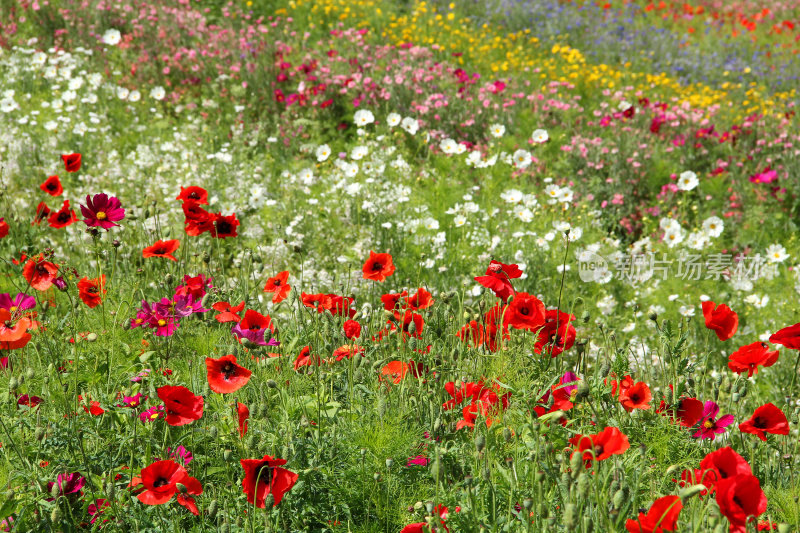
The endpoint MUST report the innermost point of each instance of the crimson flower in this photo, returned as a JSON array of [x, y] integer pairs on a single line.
[[558, 333], [91, 291], [662, 516], [3, 228], [525, 312], [39, 273], [63, 217], [182, 406], [721, 464], [72, 162], [788, 337], [740, 500], [720, 319], [102, 210], [600, 446], [498, 279], [160, 481], [193, 194], [278, 286], [352, 329], [766, 419], [227, 313], [253, 327], [225, 376], [52, 186], [748, 358], [378, 267], [636, 397], [224, 226], [265, 476], [243, 413], [162, 249]]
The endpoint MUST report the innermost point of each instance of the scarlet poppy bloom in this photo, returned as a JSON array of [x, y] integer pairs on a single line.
[[194, 286], [378, 267], [102, 210], [30, 401], [39, 273], [197, 220], [558, 333], [739, 498], [391, 301], [766, 419], [243, 413], [3, 228], [600, 446], [720, 319], [662, 516], [162, 249], [225, 376], [347, 351], [227, 313], [618, 388], [394, 371], [687, 412], [498, 279], [278, 286], [320, 302], [305, 358], [471, 391], [94, 408], [63, 217], [52, 186], [182, 406], [788, 337], [352, 329], [72, 162], [721, 464], [42, 212], [748, 358], [422, 299], [160, 481], [13, 335], [224, 226], [525, 312], [636, 397], [193, 194], [472, 334], [265, 476], [91, 291]]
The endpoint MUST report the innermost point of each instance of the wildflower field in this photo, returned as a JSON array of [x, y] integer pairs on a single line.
[[370, 266]]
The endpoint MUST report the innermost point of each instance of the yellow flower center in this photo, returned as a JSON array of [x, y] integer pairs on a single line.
[[162, 322], [708, 424], [101, 215], [13, 308]]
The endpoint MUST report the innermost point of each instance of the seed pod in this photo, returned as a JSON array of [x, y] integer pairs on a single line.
[[39, 434], [389, 462], [619, 498], [575, 464], [29, 373], [272, 384], [584, 484], [55, 516], [480, 442], [212, 432], [570, 512], [582, 390], [212, 509]]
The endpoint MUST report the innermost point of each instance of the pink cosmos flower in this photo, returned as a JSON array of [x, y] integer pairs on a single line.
[[21, 302], [102, 210], [154, 413], [710, 425], [419, 460]]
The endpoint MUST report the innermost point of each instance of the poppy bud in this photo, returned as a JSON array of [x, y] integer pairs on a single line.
[[269, 501], [55, 516], [507, 435], [29, 373], [39, 434], [45, 306], [226, 455], [569, 516], [225, 528], [272, 384], [381, 406], [715, 393], [691, 491], [212, 509], [168, 279], [583, 390], [619, 498], [429, 507], [605, 368], [527, 503], [586, 317], [111, 490], [12, 384], [376, 476], [736, 397], [437, 424], [743, 389], [653, 316], [182, 488], [584, 484], [251, 442], [417, 506], [575, 463], [212, 432], [412, 328], [480, 442], [55, 490], [91, 337], [566, 480]]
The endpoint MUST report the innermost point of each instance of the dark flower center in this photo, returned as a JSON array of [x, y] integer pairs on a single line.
[[224, 227], [63, 217], [598, 450], [229, 370], [377, 267], [194, 195], [160, 482], [760, 422], [263, 473], [160, 251]]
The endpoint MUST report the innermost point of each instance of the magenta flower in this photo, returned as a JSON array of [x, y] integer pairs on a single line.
[[69, 485], [164, 325], [710, 425], [419, 460], [96, 509], [154, 413], [133, 401], [21, 302], [766, 176], [102, 210], [181, 455]]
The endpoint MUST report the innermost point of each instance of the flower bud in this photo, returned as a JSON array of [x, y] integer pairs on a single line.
[[212, 509], [480, 443], [55, 516], [570, 518], [181, 488]]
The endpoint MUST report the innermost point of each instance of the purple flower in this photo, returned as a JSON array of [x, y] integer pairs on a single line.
[[69, 485], [21, 302], [710, 425], [256, 336], [102, 210]]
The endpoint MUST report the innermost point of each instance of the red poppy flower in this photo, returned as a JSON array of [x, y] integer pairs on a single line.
[[94, 408], [352, 329], [662, 516], [42, 212], [63, 217], [265, 476], [688, 411], [766, 419], [498, 279], [193, 194], [347, 351], [182, 406], [162, 249], [102, 210], [160, 481], [394, 371], [3, 228], [748, 358], [225, 376], [472, 334], [720, 319], [278, 286], [197, 220], [378, 267], [30, 401], [410, 318], [243, 413], [52, 186], [305, 358], [228, 313], [320, 302], [91, 291], [636, 397], [468, 391], [39, 273], [722, 464], [422, 299], [525, 312], [788, 337], [13, 335], [72, 162], [558, 333], [600, 446], [739, 498], [224, 226], [392, 301]]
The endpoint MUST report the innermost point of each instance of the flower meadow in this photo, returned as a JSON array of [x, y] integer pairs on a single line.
[[364, 266]]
